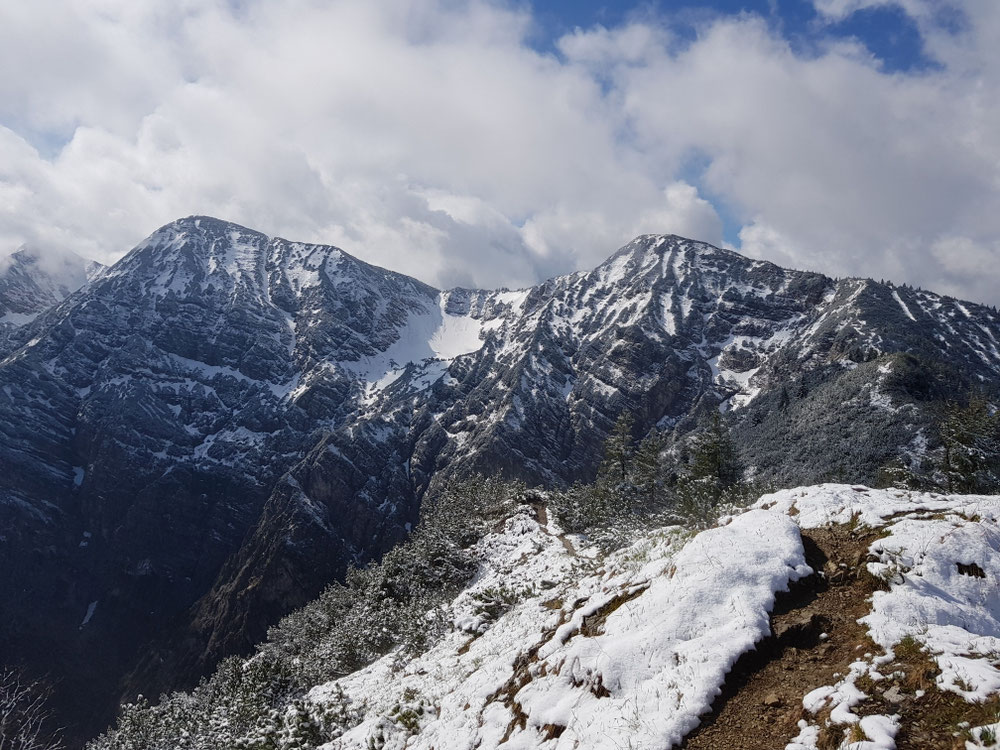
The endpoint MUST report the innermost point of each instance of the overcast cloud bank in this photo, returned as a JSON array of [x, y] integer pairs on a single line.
[[433, 137]]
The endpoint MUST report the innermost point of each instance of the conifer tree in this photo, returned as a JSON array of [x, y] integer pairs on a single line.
[[300, 731], [970, 439], [648, 467], [783, 397], [619, 449], [899, 474], [713, 456]]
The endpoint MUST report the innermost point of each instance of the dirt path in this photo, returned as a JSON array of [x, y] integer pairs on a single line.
[[815, 636], [542, 516]]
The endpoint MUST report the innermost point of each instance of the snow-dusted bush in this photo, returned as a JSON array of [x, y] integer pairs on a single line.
[[644, 484], [257, 703], [391, 604]]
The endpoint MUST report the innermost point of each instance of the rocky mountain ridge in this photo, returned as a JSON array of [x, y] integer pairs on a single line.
[[216, 426], [32, 281]]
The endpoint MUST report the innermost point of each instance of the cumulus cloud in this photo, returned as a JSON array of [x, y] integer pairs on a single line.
[[429, 136]]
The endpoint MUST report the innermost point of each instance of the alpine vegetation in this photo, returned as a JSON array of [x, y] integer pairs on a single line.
[[395, 605], [879, 602]]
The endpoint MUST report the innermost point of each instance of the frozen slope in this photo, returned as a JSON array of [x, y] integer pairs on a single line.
[[630, 650], [634, 645]]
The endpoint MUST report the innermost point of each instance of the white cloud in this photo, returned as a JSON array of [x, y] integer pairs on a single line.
[[760, 240], [428, 136], [838, 10], [685, 212]]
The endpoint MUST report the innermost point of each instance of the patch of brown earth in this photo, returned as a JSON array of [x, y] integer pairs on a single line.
[[761, 702], [815, 638], [935, 718]]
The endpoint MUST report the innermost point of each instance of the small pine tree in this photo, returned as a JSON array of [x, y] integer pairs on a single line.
[[970, 441], [897, 474], [300, 731], [713, 456], [263, 736], [783, 398], [619, 449], [801, 389], [695, 501], [648, 467]]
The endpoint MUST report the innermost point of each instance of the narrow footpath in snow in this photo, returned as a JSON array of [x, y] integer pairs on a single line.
[[823, 618]]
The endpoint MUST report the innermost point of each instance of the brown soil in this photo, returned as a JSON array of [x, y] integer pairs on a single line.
[[761, 701], [542, 516]]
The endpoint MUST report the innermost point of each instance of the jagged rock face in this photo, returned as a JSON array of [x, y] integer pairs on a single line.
[[219, 424]]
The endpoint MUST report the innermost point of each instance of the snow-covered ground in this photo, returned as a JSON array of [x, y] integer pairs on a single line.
[[555, 646]]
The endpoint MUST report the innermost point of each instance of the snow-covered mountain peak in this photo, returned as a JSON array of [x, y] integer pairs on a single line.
[[55, 274], [219, 300], [685, 267], [197, 254], [32, 280]]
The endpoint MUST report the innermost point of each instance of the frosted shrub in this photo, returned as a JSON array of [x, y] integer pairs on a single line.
[[259, 703]]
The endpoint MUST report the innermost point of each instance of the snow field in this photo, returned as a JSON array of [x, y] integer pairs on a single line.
[[627, 651]]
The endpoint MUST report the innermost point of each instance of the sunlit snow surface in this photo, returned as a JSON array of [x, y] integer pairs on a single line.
[[629, 650], [635, 646], [433, 334]]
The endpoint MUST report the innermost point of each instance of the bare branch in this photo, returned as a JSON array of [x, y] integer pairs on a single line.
[[23, 714]]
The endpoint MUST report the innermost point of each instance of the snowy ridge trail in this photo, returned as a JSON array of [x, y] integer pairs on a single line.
[[635, 646], [542, 516], [834, 616], [814, 636]]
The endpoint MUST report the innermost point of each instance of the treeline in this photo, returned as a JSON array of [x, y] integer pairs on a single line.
[[651, 482], [966, 459], [258, 703]]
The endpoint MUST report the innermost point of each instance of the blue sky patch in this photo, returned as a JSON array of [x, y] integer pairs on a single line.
[[887, 32]]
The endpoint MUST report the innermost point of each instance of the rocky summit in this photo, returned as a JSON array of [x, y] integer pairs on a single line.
[[31, 282], [198, 439]]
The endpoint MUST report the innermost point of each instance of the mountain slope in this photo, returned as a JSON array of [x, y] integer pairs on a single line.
[[218, 425], [667, 329], [820, 617], [640, 646], [32, 282]]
